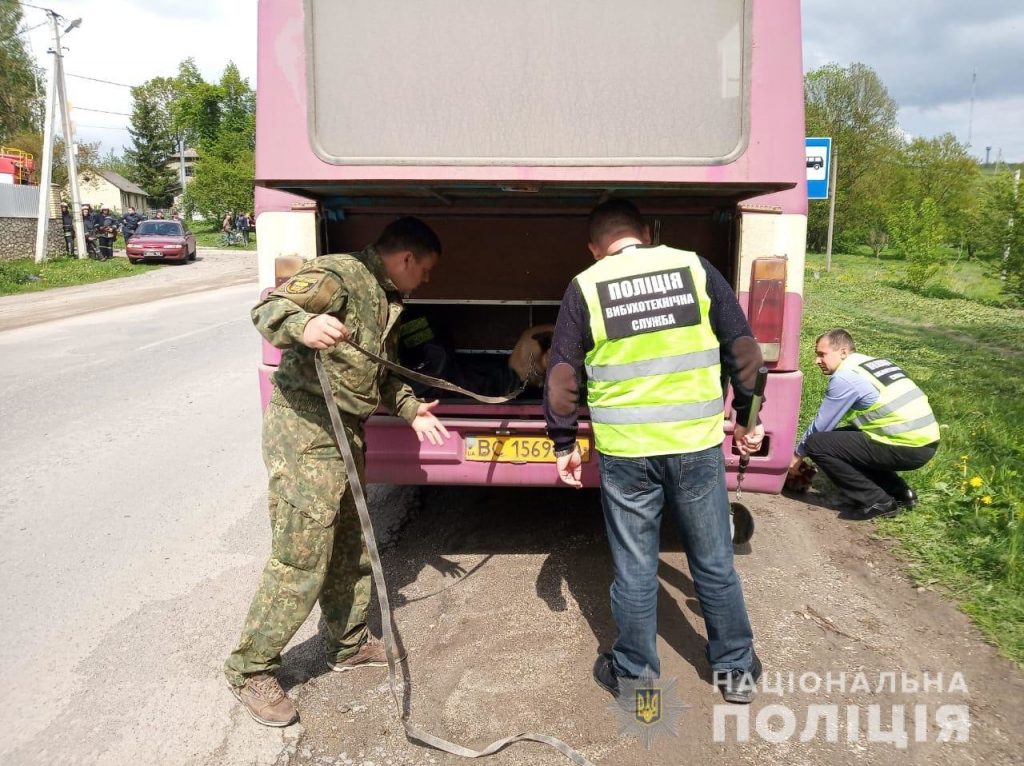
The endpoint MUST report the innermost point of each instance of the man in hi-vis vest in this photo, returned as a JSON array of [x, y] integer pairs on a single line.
[[650, 329], [873, 422]]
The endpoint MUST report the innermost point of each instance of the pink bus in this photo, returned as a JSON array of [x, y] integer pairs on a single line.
[[500, 125]]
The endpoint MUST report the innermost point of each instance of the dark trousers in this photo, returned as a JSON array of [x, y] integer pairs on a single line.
[[864, 469], [69, 241]]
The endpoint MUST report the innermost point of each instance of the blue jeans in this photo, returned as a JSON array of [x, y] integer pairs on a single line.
[[634, 491]]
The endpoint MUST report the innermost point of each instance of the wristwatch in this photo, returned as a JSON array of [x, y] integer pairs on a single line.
[[565, 450]]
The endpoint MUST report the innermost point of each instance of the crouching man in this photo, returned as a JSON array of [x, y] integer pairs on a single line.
[[873, 422]]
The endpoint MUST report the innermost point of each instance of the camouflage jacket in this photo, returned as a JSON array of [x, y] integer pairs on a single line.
[[355, 289]]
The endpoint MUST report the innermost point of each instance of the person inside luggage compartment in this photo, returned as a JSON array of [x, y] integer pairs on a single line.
[[427, 347]]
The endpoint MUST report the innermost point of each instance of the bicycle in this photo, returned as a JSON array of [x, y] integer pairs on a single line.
[[229, 238]]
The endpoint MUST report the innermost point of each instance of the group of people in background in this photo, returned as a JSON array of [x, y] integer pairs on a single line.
[[238, 222], [102, 227]]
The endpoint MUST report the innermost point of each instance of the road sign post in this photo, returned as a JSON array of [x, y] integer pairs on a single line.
[[819, 158], [821, 181]]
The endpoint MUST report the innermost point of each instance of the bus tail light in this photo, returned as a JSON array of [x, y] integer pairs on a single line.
[[767, 305], [285, 267]]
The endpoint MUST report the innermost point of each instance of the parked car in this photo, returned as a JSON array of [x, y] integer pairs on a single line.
[[162, 241]]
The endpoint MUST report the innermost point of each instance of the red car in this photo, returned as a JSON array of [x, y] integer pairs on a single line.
[[162, 241]]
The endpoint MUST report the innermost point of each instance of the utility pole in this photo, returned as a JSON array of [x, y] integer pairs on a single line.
[[43, 221], [70, 146], [831, 207], [181, 162]]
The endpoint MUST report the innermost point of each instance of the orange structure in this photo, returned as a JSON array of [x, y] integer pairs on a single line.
[[16, 166]]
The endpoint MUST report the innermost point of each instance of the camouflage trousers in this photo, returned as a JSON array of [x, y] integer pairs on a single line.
[[317, 547]]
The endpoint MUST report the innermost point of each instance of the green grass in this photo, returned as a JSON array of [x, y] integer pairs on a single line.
[[24, 275], [209, 235], [967, 534]]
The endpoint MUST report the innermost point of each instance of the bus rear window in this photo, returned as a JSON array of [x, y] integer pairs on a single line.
[[471, 82]]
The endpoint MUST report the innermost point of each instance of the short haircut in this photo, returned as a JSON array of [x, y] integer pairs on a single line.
[[615, 218], [837, 338], [408, 233]]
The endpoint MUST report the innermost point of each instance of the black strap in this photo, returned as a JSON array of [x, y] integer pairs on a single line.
[[394, 683], [419, 377]]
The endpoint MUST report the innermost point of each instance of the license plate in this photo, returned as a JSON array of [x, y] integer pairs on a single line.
[[153, 254], [516, 449]]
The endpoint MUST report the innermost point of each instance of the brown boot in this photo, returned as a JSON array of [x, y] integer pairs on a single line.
[[371, 654], [265, 700]]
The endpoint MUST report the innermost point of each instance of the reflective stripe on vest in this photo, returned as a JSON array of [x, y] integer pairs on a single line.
[[663, 366], [901, 416], [654, 385]]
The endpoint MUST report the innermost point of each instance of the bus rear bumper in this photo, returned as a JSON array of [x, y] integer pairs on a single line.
[[395, 455]]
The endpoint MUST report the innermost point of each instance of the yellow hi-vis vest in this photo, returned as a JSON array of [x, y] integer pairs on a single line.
[[902, 416], [653, 375]]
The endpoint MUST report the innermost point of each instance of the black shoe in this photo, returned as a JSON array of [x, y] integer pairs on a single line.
[[890, 507], [605, 676], [739, 686], [907, 498]]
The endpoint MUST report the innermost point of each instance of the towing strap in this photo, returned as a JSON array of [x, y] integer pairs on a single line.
[[419, 377], [396, 685]]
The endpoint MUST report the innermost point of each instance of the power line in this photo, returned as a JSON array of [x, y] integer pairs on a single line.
[[38, 7], [96, 79], [103, 127], [101, 111], [26, 30]]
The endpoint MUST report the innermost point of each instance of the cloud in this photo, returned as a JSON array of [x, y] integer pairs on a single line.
[[131, 41], [998, 123], [925, 52]]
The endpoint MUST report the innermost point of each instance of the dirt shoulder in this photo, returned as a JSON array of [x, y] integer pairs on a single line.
[[212, 269], [501, 598]]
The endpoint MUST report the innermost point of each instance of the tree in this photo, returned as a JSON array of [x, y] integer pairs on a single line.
[[940, 169], [238, 105], [21, 102], [151, 150], [221, 185], [118, 164], [918, 235], [224, 173], [853, 107], [218, 120], [1000, 233], [197, 108]]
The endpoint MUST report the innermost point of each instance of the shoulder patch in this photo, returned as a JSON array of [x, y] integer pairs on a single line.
[[301, 285]]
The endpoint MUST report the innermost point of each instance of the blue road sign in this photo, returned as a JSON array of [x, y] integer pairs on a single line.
[[819, 157]]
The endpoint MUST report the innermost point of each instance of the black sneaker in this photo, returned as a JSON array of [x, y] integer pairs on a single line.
[[605, 676], [890, 507], [739, 686]]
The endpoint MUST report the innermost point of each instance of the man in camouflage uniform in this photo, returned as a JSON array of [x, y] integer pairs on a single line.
[[317, 548]]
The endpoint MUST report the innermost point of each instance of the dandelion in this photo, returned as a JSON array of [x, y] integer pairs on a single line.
[[976, 481], [964, 457], [987, 500]]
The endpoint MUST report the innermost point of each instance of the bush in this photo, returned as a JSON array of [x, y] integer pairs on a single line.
[[918, 235]]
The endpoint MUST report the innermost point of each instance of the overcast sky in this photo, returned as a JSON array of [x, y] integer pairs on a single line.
[[925, 52]]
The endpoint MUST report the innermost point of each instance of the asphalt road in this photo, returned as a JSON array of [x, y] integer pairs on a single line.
[[133, 521], [133, 530]]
